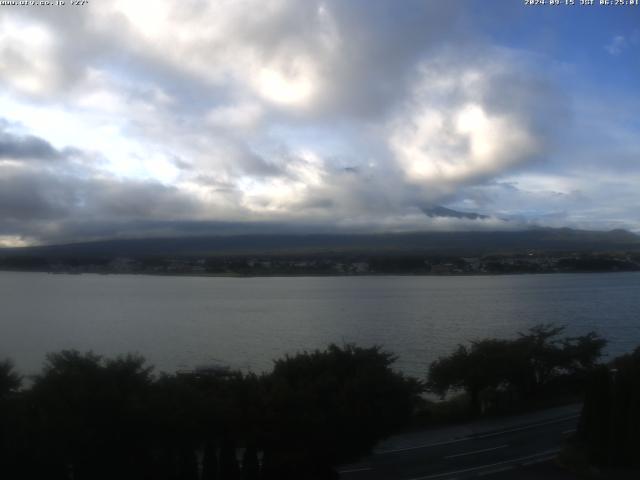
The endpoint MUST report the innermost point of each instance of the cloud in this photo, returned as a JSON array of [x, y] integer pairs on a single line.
[[39, 204], [323, 114], [470, 119], [27, 55], [619, 43], [28, 196], [315, 57], [21, 147], [616, 45]]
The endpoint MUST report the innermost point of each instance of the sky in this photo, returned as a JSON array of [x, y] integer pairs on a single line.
[[123, 119]]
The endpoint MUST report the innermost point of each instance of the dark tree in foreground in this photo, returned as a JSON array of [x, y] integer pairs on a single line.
[[10, 381], [545, 356], [89, 417], [485, 364], [525, 366], [610, 422], [333, 405], [10, 440]]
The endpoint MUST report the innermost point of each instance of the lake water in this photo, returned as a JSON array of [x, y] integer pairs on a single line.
[[183, 322]]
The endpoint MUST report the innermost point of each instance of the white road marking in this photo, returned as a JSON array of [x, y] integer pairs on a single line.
[[474, 437], [549, 453], [496, 470], [567, 432], [535, 461], [476, 451], [354, 470]]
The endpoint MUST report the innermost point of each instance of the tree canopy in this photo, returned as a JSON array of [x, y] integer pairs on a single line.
[[610, 423], [524, 365], [89, 417], [10, 381], [332, 405]]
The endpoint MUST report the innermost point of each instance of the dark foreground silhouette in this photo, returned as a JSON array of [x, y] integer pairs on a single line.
[[609, 431], [539, 363], [86, 417], [89, 417]]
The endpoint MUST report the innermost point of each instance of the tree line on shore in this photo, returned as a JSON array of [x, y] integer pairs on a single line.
[[88, 417]]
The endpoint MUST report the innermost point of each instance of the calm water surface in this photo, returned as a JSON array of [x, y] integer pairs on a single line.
[[182, 322]]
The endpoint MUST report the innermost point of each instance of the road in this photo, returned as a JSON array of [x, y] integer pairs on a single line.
[[511, 445]]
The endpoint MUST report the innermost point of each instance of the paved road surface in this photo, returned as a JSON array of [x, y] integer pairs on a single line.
[[494, 446]]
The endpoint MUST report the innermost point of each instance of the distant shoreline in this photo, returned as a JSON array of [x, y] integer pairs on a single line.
[[329, 275]]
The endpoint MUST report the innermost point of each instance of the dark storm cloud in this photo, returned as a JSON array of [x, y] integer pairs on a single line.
[[27, 196], [48, 205], [385, 43], [26, 147], [131, 199], [71, 230], [31, 194], [181, 164]]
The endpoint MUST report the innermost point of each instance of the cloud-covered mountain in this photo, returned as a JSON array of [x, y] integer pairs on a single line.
[[453, 243]]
